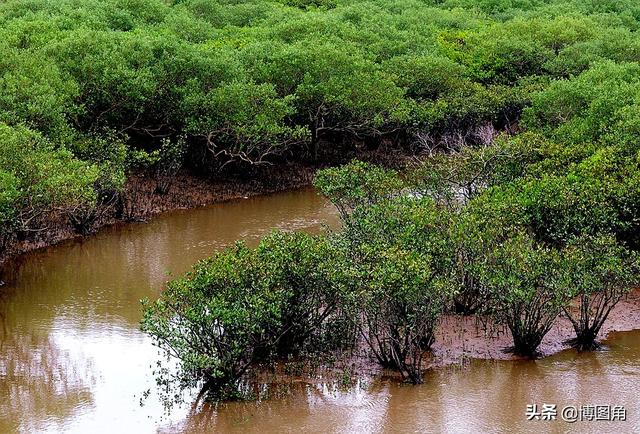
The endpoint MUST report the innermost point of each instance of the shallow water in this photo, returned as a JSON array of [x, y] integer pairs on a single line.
[[72, 358], [481, 397]]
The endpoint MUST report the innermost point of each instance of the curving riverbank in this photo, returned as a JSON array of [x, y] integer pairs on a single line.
[[72, 311], [187, 191]]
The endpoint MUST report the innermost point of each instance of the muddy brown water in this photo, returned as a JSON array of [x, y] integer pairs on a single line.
[[72, 358]]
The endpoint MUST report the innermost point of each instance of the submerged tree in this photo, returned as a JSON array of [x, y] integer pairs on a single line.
[[401, 260], [212, 322], [401, 297], [518, 277], [243, 306], [599, 272], [309, 276]]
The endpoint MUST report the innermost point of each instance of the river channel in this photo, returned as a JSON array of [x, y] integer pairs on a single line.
[[72, 358]]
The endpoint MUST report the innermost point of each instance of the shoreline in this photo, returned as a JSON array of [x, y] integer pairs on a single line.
[[458, 338], [187, 192], [463, 337], [458, 341]]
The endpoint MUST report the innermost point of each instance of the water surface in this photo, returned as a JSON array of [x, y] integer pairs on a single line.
[[72, 358], [481, 397]]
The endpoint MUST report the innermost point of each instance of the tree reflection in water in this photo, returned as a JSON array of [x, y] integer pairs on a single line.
[[40, 380]]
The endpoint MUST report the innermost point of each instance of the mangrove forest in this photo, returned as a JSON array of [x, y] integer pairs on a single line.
[[481, 159]]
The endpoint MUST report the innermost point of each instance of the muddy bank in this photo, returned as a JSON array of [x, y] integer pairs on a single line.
[[462, 337], [143, 202], [187, 190], [459, 339]]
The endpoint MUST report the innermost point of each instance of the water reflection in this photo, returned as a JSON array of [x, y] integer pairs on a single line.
[[484, 396], [42, 381], [72, 358], [71, 355]]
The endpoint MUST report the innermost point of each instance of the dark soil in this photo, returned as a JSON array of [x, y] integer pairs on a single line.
[[188, 191]]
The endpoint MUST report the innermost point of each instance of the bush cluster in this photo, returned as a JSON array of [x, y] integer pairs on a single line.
[[406, 254], [240, 84], [525, 207]]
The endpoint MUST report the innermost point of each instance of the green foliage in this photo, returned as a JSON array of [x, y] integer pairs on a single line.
[[401, 301], [110, 154], [242, 121], [311, 4], [427, 77], [9, 195], [170, 160], [261, 81], [35, 92], [518, 275], [597, 195], [402, 261], [357, 184], [460, 174], [597, 105], [241, 306], [37, 177], [212, 322], [599, 272]]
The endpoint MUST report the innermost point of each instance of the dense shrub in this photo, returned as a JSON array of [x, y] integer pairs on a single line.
[[598, 272], [36, 178], [518, 274], [264, 81], [243, 306], [403, 276]]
